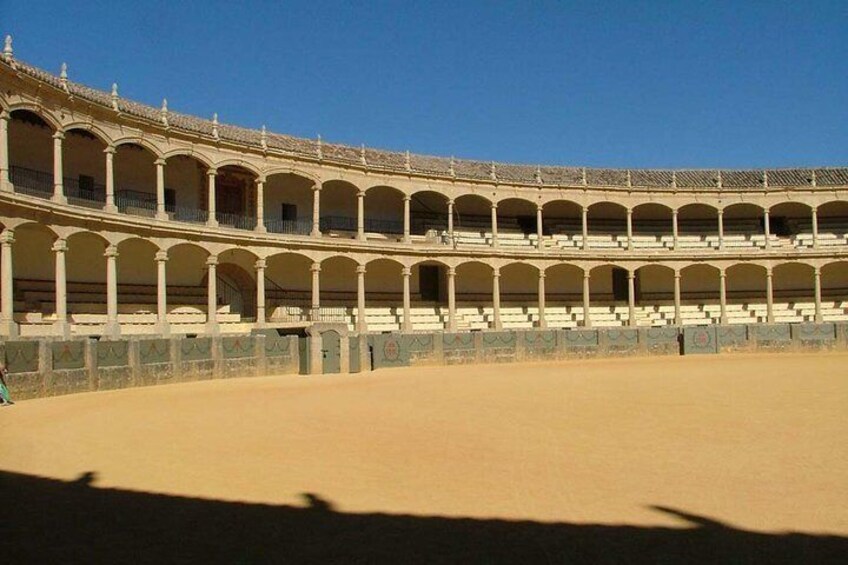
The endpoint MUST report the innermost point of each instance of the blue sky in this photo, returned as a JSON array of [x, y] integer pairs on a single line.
[[618, 84]]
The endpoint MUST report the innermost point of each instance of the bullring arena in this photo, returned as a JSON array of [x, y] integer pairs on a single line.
[[537, 363]]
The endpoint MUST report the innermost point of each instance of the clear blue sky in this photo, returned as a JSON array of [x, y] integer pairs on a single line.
[[619, 84]]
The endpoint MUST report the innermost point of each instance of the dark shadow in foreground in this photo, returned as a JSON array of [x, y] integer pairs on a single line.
[[51, 521]]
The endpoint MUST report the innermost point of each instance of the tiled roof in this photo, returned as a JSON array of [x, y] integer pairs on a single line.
[[441, 166]]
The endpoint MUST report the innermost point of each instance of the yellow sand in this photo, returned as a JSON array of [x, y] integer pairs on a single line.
[[759, 442]]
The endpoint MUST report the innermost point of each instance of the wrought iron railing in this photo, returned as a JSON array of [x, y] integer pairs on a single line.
[[372, 225], [301, 227], [237, 221], [136, 203], [32, 182]]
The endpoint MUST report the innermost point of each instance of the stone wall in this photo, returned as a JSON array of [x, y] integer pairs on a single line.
[[51, 368]]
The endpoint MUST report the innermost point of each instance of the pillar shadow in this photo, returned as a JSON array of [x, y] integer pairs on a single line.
[[51, 521]]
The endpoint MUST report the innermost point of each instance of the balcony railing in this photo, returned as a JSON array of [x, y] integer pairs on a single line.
[[237, 221], [372, 225], [31, 182], [90, 196], [136, 203], [297, 227]]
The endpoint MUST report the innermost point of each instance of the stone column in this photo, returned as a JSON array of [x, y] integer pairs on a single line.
[[539, 243], [450, 220], [160, 190], [631, 298], [316, 291], [260, 205], [316, 210], [815, 217], [5, 183], [767, 228], [212, 294], [58, 188], [113, 328], [260, 293], [212, 217], [817, 277], [721, 229], [494, 225], [496, 299], [585, 227], [769, 296], [162, 325], [722, 294], [543, 323], [675, 234], [451, 299], [9, 327], [61, 327], [361, 323], [110, 179], [406, 218], [407, 301], [587, 314], [629, 229], [678, 319], [360, 215]]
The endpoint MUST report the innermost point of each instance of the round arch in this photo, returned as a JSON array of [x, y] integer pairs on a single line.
[[384, 210], [428, 211]]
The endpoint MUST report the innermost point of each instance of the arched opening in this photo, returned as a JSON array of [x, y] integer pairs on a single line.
[[187, 291], [607, 225], [288, 288], [563, 296], [137, 276], [746, 291], [30, 140], [743, 226], [428, 214], [85, 265], [34, 282], [791, 221], [654, 294], [474, 285], [519, 287], [516, 223], [236, 284], [608, 291], [562, 220], [135, 180], [383, 212], [339, 209], [472, 222], [794, 296], [384, 295], [700, 300], [429, 296], [834, 290], [185, 187], [84, 166], [338, 292], [833, 223], [288, 203], [235, 197], [652, 226], [697, 227]]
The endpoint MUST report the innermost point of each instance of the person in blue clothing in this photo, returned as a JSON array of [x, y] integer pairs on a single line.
[[5, 399]]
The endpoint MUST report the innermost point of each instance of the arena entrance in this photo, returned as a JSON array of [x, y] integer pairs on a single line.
[[330, 352]]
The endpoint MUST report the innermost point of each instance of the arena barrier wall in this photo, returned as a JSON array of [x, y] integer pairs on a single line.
[[40, 368]]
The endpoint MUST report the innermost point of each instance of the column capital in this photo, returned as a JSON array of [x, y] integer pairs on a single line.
[[60, 245], [406, 271], [817, 272], [4, 115], [494, 205], [212, 260], [111, 251], [677, 275], [450, 201], [674, 212], [496, 272], [360, 193], [161, 256], [160, 162], [451, 271], [587, 275], [260, 264], [110, 150], [360, 269], [261, 179], [316, 267], [720, 212], [316, 187], [59, 135], [542, 274], [631, 275], [722, 274], [7, 237], [211, 171], [406, 198]]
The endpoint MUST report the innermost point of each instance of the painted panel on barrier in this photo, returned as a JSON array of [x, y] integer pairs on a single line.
[[22, 356], [153, 351], [621, 341], [196, 349], [498, 340], [238, 347], [814, 332], [768, 333], [661, 340], [277, 346], [539, 343], [700, 340], [454, 341], [68, 355], [731, 337], [112, 353], [580, 338], [391, 350]]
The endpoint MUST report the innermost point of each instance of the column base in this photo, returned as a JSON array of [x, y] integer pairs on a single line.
[[543, 325], [406, 239], [9, 328], [62, 329], [406, 328], [361, 237], [6, 186], [163, 216], [212, 328], [112, 329], [163, 329], [59, 199], [111, 208], [260, 228], [315, 233], [211, 223]]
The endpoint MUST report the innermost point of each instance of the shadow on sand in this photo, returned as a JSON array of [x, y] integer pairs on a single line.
[[51, 521]]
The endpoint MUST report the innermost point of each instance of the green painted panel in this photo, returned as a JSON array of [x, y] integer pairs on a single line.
[[68, 355], [498, 339], [196, 349], [22, 356], [112, 353], [457, 341], [278, 346], [154, 351], [238, 347]]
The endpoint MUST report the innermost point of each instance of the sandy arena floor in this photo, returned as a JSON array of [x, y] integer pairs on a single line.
[[759, 442]]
